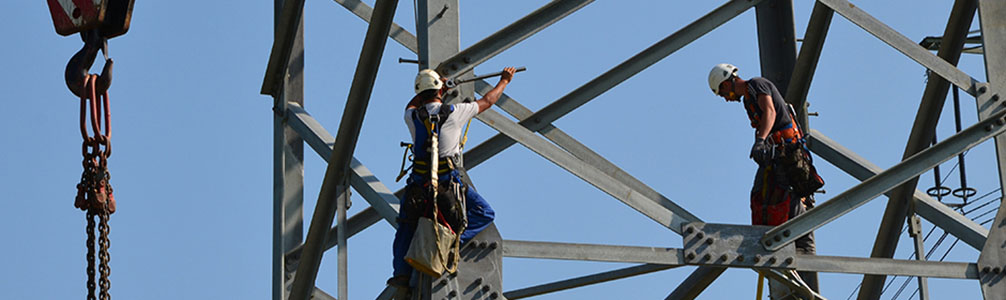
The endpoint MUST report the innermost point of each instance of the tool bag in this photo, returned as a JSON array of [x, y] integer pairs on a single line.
[[435, 246], [432, 250]]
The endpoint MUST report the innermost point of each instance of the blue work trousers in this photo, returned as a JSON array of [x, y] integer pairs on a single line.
[[479, 214]]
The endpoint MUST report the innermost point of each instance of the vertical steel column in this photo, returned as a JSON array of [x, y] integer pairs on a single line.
[[915, 230], [776, 41], [806, 62], [288, 165], [921, 136], [342, 204], [992, 261], [345, 144], [439, 39], [777, 51]]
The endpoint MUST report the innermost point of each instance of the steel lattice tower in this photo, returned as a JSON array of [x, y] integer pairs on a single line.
[[711, 247]]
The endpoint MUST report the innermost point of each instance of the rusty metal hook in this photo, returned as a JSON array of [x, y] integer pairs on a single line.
[[80, 64]]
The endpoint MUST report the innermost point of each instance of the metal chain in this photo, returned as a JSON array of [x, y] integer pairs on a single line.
[[90, 256], [94, 192], [104, 268]]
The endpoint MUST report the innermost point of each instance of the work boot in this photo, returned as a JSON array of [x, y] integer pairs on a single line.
[[399, 281], [401, 285]]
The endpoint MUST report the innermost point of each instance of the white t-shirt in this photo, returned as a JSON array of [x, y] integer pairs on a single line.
[[451, 130]]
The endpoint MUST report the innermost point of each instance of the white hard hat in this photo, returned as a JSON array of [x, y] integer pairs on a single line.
[[428, 80], [720, 73]]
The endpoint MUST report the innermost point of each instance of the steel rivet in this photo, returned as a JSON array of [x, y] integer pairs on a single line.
[[777, 238], [789, 260], [443, 281], [452, 294], [493, 245], [709, 241], [707, 257], [468, 60], [757, 258], [995, 97], [981, 90], [771, 259], [724, 257], [986, 269], [494, 295], [477, 281], [454, 93], [486, 288], [785, 233], [483, 244], [995, 270], [454, 67], [1000, 122], [689, 230], [768, 243], [690, 255], [700, 235]]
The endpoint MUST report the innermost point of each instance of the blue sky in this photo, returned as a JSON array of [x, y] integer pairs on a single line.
[[192, 165]]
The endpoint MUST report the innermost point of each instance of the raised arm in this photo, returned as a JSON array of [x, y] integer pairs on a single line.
[[493, 95]]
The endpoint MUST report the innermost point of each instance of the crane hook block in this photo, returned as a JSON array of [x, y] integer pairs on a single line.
[[111, 17]]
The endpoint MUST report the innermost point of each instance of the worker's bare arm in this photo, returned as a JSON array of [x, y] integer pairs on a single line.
[[493, 95]]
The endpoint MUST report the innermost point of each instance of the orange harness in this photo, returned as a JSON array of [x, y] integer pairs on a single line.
[[787, 135]]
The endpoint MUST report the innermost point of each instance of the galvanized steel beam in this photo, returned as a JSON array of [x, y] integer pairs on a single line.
[[695, 283], [362, 179], [345, 142], [593, 252], [288, 161], [927, 207], [992, 259], [901, 267], [884, 181], [509, 36], [920, 137], [615, 76], [584, 280], [287, 27], [806, 62]]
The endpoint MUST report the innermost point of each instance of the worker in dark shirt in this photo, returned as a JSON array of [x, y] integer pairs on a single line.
[[772, 200]]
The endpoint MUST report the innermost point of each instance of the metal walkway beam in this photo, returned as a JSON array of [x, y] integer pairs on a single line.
[[875, 186]]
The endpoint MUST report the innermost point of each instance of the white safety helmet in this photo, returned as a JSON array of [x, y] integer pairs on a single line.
[[720, 73], [428, 80]]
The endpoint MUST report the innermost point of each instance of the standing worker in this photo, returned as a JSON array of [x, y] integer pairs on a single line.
[[427, 105], [773, 200]]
